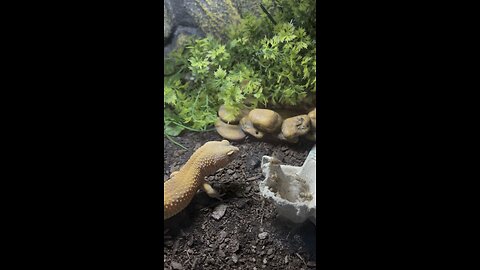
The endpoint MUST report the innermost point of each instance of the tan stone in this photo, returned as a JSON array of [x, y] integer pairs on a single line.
[[311, 136], [296, 126], [247, 126], [291, 140], [265, 120], [230, 132], [313, 117]]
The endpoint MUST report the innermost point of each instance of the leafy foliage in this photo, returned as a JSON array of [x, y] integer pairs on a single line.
[[262, 64]]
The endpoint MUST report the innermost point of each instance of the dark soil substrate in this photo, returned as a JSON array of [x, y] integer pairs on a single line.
[[195, 240]]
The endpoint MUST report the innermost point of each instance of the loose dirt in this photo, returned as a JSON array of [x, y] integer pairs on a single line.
[[242, 231]]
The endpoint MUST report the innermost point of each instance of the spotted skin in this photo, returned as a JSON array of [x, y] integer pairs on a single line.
[[179, 190]]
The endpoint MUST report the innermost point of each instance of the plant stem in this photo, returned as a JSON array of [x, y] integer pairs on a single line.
[[192, 129], [173, 141]]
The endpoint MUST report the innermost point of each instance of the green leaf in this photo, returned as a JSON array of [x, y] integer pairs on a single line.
[[220, 73], [173, 130]]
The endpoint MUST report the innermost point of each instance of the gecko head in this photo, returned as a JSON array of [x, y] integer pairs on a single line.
[[220, 152]]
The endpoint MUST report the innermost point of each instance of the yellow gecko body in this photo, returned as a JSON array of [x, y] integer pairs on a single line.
[[180, 189]]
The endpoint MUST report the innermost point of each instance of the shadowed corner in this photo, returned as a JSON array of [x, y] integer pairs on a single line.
[[185, 218], [306, 232], [180, 221]]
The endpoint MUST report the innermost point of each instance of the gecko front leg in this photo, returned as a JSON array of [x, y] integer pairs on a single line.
[[212, 193]]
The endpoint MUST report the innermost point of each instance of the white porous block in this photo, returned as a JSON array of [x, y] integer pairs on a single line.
[[292, 189]]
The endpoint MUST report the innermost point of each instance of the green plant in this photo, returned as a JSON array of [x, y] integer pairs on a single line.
[[261, 64], [302, 13]]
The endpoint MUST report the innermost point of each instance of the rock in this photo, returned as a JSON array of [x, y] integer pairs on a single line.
[[221, 253], [248, 6], [229, 132], [179, 38], [177, 266], [263, 235], [313, 118], [290, 140], [311, 136], [167, 22], [212, 16], [295, 126], [234, 258], [190, 241], [219, 211], [270, 251], [234, 245], [265, 120], [248, 127], [197, 145], [201, 17], [222, 236], [179, 152]]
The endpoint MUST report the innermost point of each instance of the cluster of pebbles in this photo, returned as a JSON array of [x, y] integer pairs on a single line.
[[282, 125]]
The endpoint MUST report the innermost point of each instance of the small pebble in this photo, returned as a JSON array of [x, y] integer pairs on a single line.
[[177, 266], [270, 251], [222, 236], [234, 258], [263, 235], [197, 145], [219, 211], [221, 253], [190, 241]]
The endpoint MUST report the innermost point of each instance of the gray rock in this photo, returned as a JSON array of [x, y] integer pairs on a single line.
[[213, 16], [167, 22], [200, 17], [263, 235], [219, 211], [179, 35], [177, 266]]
